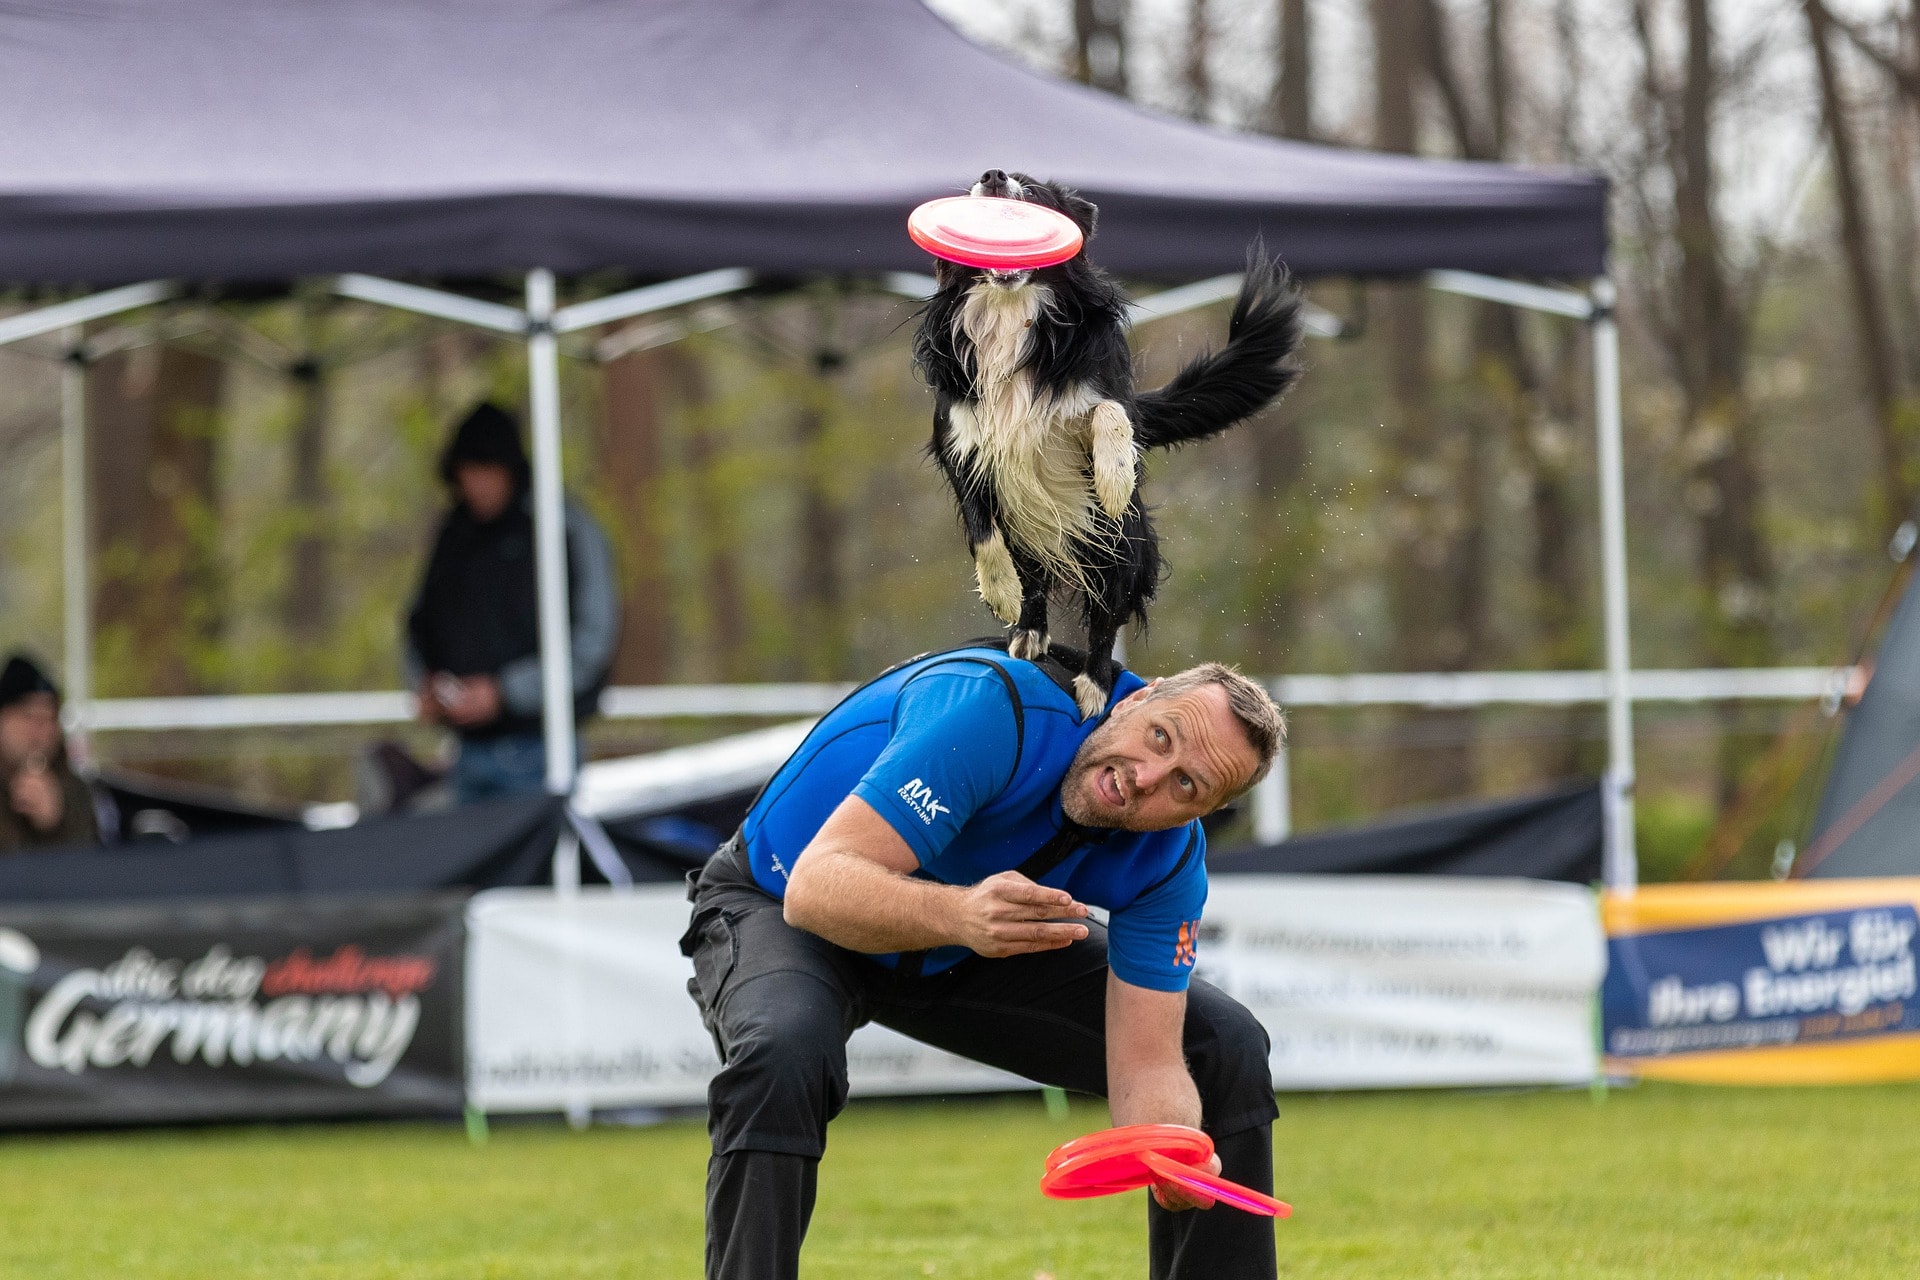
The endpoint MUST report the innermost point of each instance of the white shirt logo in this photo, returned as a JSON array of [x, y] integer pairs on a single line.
[[920, 797]]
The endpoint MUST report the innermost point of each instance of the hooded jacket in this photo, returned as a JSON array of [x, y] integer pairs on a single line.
[[477, 610]]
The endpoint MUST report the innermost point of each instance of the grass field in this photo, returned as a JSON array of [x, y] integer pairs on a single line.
[[1658, 1181]]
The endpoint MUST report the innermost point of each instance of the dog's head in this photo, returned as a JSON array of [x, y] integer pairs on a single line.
[[1018, 186]]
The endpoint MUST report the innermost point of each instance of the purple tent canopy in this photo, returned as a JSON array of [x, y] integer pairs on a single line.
[[264, 139]]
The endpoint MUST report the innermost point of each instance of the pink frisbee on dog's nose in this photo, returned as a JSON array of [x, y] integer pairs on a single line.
[[993, 232]]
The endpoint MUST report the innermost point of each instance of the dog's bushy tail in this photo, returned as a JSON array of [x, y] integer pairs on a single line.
[[1232, 384]]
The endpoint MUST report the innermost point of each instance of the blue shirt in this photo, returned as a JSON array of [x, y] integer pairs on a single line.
[[963, 753]]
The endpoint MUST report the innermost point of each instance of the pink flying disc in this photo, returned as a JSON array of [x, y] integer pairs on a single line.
[[1135, 1155], [989, 231]]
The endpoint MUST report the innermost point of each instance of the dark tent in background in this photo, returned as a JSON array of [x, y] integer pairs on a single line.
[[241, 140], [1555, 835], [1868, 822]]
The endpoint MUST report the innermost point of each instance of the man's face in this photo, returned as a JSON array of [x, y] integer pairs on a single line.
[[485, 487], [1159, 762], [29, 728]]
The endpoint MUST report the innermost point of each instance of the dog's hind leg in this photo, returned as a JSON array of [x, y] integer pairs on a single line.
[[1092, 688], [1116, 458], [993, 572], [1030, 637]]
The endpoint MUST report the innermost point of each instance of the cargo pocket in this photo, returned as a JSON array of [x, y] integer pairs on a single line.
[[714, 947]]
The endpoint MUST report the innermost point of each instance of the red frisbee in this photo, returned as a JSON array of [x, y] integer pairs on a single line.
[[989, 231], [1135, 1155]]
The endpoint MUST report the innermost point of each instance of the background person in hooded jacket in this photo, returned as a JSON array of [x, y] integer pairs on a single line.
[[473, 633], [43, 803]]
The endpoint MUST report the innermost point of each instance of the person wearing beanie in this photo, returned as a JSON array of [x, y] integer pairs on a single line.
[[45, 802], [473, 630]]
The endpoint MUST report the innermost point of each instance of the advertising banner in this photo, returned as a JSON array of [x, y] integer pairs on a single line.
[[1806, 982], [1397, 981], [1362, 982], [582, 1002], [248, 1009]]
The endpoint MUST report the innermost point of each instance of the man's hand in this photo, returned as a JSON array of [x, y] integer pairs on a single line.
[[1178, 1199], [478, 702], [428, 707], [35, 795], [1010, 915]]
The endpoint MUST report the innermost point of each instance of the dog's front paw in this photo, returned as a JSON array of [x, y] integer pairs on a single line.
[[1091, 698], [1028, 643], [1115, 458], [999, 582]]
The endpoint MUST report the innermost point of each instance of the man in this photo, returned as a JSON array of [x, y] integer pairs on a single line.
[[926, 860], [45, 802], [473, 633]]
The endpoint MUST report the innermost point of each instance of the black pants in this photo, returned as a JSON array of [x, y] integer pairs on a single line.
[[781, 1003]]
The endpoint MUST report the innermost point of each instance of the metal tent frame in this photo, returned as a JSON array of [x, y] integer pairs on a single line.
[[540, 322]]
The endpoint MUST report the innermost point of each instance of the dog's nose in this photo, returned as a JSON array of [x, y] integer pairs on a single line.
[[994, 178]]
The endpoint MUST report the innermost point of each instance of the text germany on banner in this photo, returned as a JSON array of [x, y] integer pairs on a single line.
[[1809, 982], [249, 1009]]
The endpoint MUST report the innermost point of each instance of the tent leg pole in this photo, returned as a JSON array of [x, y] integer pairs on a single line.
[[76, 583], [550, 543], [1621, 865]]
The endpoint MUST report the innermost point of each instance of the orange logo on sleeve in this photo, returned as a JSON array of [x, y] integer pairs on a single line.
[[1183, 950]]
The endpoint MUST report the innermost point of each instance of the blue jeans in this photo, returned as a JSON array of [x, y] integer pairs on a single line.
[[513, 764]]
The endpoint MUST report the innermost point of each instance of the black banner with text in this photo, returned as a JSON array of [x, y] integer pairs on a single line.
[[244, 1009]]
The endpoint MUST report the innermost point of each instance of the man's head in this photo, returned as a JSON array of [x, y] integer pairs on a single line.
[[29, 713], [1174, 751], [484, 464]]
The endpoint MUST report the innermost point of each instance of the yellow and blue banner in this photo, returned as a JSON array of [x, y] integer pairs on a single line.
[[1803, 982]]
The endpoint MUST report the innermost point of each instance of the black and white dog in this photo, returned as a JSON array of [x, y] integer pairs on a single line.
[[1040, 432]]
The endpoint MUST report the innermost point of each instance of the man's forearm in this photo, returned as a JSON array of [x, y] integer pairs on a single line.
[[1147, 1078], [862, 906], [852, 885], [1160, 1094]]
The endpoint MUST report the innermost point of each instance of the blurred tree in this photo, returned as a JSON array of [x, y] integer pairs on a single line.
[[1290, 102], [629, 455], [1196, 71], [1857, 244], [821, 597], [307, 594], [1100, 44], [1706, 328], [1436, 579], [152, 416]]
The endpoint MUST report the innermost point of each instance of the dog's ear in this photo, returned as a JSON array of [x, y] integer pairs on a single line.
[[1084, 212]]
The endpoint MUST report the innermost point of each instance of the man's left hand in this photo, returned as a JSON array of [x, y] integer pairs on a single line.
[[478, 703]]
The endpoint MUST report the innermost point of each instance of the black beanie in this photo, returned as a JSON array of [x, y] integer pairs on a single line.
[[20, 678], [487, 434]]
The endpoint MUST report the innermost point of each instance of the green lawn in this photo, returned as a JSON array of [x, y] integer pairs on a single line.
[[1659, 1181]]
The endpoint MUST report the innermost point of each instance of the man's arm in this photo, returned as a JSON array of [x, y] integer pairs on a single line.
[[1147, 1077], [853, 885]]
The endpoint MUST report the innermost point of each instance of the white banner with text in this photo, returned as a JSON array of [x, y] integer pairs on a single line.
[[583, 1002], [1368, 982], [1361, 981]]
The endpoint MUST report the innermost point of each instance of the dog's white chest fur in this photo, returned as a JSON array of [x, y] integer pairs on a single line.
[[1033, 448]]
